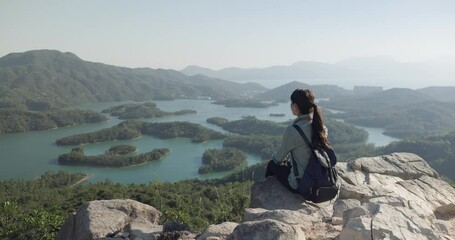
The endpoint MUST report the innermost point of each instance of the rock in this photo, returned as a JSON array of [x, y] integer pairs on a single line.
[[144, 231], [401, 197], [176, 235], [265, 230], [395, 196], [282, 215], [175, 226], [446, 212], [342, 205], [403, 165], [107, 218], [314, 226], [356, 229], [220, 231], [271, 194]]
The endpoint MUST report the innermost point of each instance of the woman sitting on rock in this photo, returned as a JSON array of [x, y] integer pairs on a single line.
[[309, 119]]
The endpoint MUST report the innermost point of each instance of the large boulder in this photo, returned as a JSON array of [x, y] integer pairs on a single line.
[[271, 200], [219, 231], [396, 196], [109, 219], [270, 194], [266, 230]]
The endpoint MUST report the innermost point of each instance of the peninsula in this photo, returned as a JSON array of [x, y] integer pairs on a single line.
[[78, 157], [144, 110]]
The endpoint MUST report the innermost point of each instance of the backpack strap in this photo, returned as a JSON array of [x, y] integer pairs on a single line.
[[296, 170], [303, 135], [329, 164]]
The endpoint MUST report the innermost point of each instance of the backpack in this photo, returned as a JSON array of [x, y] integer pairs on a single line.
[[319, 181]]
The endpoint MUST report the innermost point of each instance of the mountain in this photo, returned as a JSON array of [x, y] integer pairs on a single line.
[[395, 97], [370, 71], [444, 94], [399, 112], [50, 77], [313, 70], [283, 92]]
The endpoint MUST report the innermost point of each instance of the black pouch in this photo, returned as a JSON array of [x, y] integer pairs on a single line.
[[323, 194], [305, 187]]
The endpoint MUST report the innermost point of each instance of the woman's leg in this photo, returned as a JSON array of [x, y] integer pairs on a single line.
[[281, 172]]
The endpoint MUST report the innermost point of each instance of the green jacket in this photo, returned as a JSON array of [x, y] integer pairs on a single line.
[[292, 141]]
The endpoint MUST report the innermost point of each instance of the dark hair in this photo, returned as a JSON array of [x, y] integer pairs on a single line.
[[305, 102]]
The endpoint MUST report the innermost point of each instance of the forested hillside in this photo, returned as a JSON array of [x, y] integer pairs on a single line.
[[53, 78], [283, 92], [400, 112]]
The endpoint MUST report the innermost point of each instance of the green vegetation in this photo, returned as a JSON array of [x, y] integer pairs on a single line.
[[77, 157], [217, 121], [245, 103], [133, 129], [16, 120], [401, 112], [34, 224], [145, 110], [342, 133], [51, 78], [262, 145], [207, 202], [121, 149], [249, 125], [217, 160]]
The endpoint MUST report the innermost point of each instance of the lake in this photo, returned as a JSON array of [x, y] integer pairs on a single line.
[[28, 155]]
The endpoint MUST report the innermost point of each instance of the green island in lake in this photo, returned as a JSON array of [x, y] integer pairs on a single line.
[[110, 158], [245, 103], [144, 110], [18, 120], [217, 160], [122, 149], [133, 129]]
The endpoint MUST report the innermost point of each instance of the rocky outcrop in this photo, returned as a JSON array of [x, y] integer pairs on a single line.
[[400, 197], [396, 196], [112, 219], [218, 232]]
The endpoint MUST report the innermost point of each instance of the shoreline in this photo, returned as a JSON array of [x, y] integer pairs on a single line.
[[84, 179]]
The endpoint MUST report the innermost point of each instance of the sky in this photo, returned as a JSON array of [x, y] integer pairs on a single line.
[[173, 34]]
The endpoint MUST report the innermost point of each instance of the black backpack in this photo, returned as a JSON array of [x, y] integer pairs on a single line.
[[319, 181]]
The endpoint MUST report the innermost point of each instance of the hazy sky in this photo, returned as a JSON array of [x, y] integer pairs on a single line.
[[241, 33]]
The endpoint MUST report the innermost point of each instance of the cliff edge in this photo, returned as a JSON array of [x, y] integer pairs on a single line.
[[396, 196]]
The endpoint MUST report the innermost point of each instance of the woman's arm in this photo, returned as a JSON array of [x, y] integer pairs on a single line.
[[287, 144]]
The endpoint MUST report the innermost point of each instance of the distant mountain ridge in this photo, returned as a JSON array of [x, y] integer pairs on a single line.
[[61, 79], [283, 92], [373, 71]]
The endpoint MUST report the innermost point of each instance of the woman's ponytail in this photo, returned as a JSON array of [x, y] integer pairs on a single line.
[[319, 136]]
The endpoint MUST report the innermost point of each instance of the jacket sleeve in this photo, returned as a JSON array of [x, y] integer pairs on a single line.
[[287, 144]]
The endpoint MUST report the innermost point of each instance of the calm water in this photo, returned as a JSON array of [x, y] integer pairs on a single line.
[[28, 155]]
